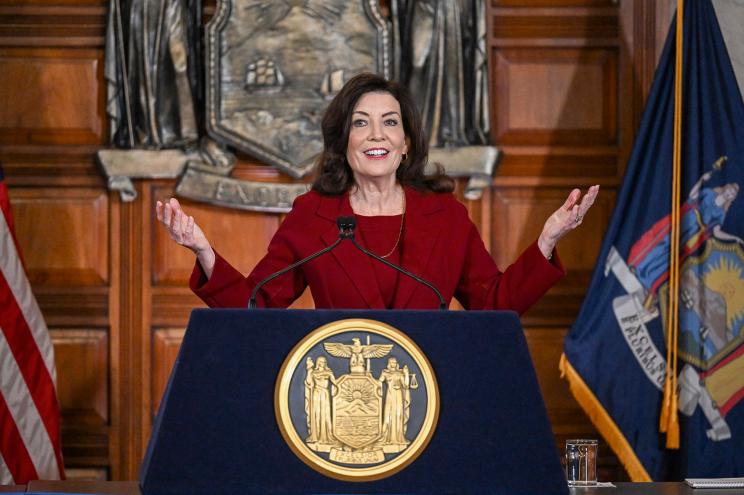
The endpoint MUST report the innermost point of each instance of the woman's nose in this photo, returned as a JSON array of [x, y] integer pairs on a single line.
[[376, 132]]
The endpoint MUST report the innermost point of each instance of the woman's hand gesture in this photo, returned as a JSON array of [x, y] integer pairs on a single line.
[[565, 219], [184, 230]]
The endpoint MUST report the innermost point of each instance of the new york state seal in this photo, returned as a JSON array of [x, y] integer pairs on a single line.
[[356, 400]]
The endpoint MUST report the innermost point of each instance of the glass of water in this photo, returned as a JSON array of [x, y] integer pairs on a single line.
[[581, 462]]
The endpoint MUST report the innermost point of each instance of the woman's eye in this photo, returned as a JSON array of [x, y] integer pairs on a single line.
[[359, 123], [391, 122]]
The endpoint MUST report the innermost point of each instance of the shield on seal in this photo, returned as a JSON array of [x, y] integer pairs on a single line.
[[273, 66], [711, 304], [357, 410]]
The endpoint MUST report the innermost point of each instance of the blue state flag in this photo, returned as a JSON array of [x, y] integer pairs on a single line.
[[615, 355]]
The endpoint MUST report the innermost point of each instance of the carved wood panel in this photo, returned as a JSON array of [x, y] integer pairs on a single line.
[[166, 343], [555, 111], [82, 361], [51, 96], [562, 106], [81, 357], [63, 235]]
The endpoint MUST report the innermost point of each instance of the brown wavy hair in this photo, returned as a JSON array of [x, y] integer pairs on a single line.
[[333, 175]]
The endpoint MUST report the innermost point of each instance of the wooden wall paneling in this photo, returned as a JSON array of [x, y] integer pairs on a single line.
[[645, 26], [555, 111], [242, 237], [52, 22], [73, 306], [82, 363], [563, 84], [541, 89], [171, 306], [51, 96], [119, 366], [527, 4], [555, 22], [166, 343], [131, 344], [81, 357], [63, 235]]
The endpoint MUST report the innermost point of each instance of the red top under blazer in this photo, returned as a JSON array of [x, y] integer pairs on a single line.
[[439, 243]]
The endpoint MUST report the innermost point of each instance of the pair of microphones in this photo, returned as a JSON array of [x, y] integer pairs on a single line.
[[346, 227]]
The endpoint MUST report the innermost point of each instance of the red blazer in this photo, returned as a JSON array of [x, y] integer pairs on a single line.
[[439, 243]]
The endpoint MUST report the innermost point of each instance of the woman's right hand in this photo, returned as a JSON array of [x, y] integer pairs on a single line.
[[184, 230]]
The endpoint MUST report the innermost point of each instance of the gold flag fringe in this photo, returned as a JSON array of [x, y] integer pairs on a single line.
[[603, 422]]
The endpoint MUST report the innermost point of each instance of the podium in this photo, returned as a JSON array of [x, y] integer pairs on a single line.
[[216, 431]]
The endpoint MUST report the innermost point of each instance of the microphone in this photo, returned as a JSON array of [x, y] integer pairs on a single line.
[[345, 229], [346, 226], [348, 233]]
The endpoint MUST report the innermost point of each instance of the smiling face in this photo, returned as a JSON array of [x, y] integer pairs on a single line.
[[377, 140]]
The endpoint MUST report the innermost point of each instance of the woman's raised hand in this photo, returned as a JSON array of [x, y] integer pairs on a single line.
[[186, 232], [565, 219]]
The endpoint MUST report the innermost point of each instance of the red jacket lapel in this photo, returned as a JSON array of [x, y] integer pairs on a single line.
[[356, 264], [420, 233]]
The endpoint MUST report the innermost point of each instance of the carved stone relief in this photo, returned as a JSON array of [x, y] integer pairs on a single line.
[[271, 67]]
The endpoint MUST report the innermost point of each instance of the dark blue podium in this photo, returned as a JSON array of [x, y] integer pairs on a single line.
[[216, 430]]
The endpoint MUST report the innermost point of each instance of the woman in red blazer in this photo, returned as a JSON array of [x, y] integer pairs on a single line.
[[372, 167]]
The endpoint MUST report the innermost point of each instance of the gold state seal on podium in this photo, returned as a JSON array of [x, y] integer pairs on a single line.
[[357, 400]]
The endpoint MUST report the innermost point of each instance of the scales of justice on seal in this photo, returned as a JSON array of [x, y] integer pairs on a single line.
[[349, 403], [276, 401]]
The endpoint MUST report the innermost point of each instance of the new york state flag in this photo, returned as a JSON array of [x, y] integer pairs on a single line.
[[615, 356]]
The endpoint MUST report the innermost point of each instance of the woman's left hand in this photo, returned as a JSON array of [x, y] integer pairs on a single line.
[[565, 219]]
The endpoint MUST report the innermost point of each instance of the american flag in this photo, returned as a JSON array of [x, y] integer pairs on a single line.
[[29, 411]]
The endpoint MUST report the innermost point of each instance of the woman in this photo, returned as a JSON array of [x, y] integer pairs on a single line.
[[372, 167]]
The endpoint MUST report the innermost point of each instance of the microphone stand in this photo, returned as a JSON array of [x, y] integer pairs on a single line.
[[344, 232], [351, 221], [346, 227]]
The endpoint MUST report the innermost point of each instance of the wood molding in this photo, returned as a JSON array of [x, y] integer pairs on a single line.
[[549, 23], [131, 345], [77, 24]]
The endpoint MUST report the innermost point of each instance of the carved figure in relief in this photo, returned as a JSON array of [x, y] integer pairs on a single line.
[[357, 353], [318, 404], [152, 72], [397, 405], [442, 59]]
